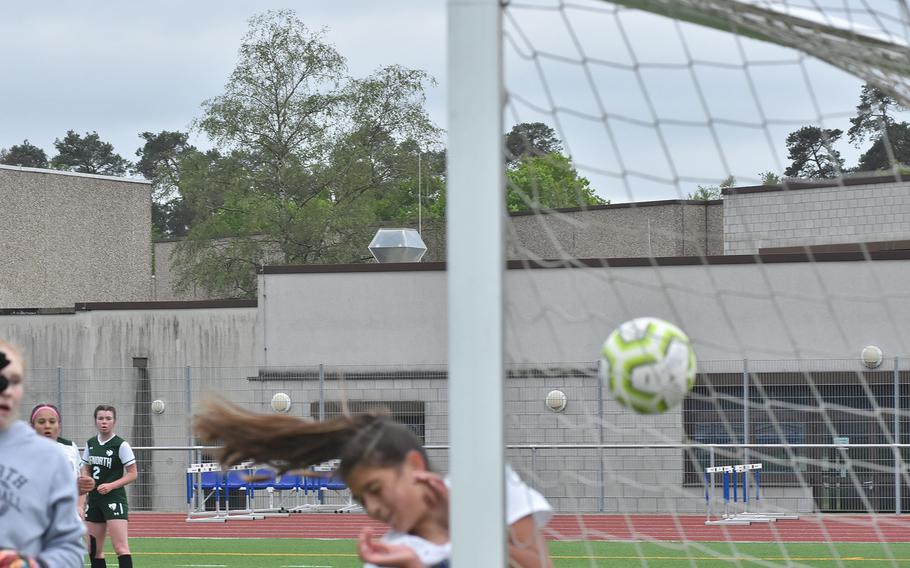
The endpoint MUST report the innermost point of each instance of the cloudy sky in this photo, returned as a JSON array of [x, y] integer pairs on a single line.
[[125, 67], [121, 68]]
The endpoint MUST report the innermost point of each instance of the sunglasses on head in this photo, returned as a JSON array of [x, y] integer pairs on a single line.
[[4, 382]]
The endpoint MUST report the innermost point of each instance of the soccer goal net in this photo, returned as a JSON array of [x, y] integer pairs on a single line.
[[736, 168]]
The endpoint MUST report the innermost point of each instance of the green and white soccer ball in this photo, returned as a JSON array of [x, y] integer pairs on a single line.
[[648, 365]]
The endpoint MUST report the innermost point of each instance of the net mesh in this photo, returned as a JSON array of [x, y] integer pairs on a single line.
[[721, 178]]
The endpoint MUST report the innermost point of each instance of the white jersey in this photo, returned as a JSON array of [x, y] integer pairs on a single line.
[[521, 501], [71, 451]]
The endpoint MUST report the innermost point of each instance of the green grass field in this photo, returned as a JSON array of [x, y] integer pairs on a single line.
[[307, 553]]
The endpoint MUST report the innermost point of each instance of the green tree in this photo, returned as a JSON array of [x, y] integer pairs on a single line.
[[769, 178], [875, 121], [159, 162], [711, 192], [25, 155], [812, 150], [548, 181], [88, 155], [888, 151], [530, 139], [308, 158], [874, 115], [159, 159]]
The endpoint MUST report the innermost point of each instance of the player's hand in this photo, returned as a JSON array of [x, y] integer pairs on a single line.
[[11, 559], [85, 484], [437, 496], [104, 488], [382, 554]]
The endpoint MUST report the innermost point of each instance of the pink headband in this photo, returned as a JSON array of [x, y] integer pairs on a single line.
[[42, 407]]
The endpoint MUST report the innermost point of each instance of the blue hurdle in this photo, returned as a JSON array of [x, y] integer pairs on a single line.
[[208, 482], [730, 515], [211, 477], [727, 517], [758, 516]]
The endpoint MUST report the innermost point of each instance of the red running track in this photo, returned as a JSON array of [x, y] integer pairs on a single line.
[[810, 528]]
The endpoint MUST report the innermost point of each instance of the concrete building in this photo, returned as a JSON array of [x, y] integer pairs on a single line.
[[69, 238], [363, 334], [824, 216]]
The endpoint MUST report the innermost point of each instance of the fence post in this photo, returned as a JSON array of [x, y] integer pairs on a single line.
[[188, 398], [60, 388], [746, 421], [897, 439], [711, 495], [600, 439], [321, 392]]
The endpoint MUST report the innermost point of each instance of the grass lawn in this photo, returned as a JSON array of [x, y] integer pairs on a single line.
[[307, 553]]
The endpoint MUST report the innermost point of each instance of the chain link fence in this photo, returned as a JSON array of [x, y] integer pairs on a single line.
[[832, 435]]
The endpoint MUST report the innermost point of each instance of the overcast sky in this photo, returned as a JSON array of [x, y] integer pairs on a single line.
[[125, 67], [121, 68]]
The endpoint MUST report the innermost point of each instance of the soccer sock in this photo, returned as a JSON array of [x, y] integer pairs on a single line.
[[99, 563], [126, 561]]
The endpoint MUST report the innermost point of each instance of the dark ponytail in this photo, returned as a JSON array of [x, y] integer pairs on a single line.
[[289, 443]]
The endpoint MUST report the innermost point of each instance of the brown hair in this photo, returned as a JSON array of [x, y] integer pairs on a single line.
[[42, 406], [107, 407], [287, 443]]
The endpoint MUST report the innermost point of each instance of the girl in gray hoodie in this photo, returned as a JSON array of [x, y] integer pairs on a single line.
[[39, 526]]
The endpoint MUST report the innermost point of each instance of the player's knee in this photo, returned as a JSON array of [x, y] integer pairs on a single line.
[[121, 548]]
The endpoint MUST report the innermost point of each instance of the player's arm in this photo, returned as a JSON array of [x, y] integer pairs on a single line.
[[86, 468], [527, 547], [130, 473], [373, 552]]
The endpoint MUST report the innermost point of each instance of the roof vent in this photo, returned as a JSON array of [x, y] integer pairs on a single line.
[[397, 245]]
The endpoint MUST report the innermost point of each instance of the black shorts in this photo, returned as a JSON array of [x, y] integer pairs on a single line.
[[102, 512]]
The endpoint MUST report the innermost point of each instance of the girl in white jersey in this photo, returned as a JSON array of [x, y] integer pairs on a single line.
[[45, 419], [387, 471]]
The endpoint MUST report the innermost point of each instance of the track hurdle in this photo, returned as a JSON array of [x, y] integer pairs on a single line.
[[727, 517], [730, 515], [321, 479], [758, 516], [211, 476]]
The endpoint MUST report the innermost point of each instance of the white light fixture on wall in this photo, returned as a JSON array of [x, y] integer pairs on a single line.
[[281, 402], [872, 356], [557, 400]]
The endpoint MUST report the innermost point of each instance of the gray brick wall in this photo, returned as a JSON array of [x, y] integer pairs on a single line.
[[816, 216], [70, 238]]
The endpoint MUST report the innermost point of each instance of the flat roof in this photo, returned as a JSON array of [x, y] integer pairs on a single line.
[[75, 174], [806, 255], [794, 184]]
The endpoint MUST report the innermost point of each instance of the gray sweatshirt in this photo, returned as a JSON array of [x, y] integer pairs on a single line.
[[38, 499]]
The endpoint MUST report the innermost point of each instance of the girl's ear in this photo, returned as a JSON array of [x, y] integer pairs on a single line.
[[416, 460]]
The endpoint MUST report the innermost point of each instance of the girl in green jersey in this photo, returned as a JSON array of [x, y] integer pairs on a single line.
[[109, 460]]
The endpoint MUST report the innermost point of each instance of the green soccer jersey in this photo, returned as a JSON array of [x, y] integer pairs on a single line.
[[106, 463]]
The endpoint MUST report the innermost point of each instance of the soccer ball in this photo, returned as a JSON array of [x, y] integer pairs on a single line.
[[648, 365]]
